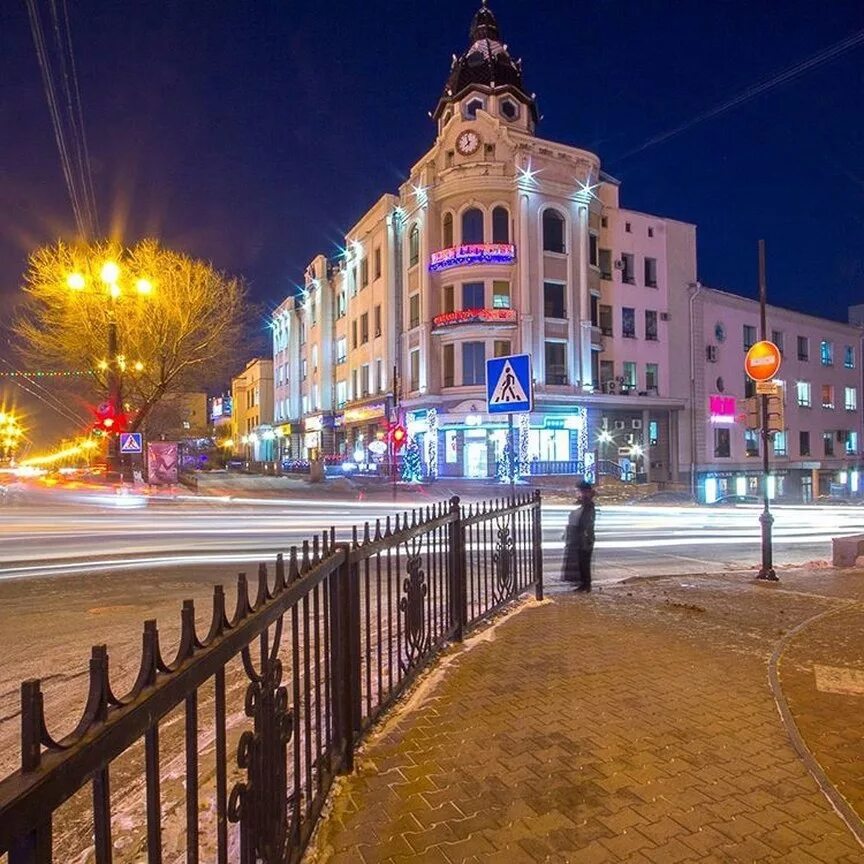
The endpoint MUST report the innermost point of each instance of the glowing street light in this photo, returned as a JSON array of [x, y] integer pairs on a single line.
[[109, 273], [76, 281], [144, 286]]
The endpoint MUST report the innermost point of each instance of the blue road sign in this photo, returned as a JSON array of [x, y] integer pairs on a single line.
[[508, 384], [131, 442]]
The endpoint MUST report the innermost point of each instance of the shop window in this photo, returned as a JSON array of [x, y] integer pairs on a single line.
[[553, 231], [722, 443], [472, 295], [500, 225], [549, 445], [556, 363], [473, 363], [449, 365], [472, 226], [553, 300], [447, 238], [751, 442], [500, 295]]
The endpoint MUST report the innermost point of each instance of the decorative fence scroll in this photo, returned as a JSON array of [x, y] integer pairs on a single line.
[[273, 699]]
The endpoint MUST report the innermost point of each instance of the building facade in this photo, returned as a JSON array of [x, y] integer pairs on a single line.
[[252, 430], [499, 242], [817, 450]]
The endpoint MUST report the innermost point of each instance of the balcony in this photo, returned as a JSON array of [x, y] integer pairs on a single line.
[[495, 317], [472, 254]]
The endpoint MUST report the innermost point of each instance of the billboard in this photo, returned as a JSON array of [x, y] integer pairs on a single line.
[[220, 406], [162, 463]]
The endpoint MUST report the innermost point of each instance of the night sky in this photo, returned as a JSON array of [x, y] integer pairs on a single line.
[[255, 134]]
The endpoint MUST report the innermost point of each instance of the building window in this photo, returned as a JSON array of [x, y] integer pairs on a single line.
[[364, 328], [341, 393], [627, 227], [414, 310], [502, 348], [302, 332], [314, 358], [304, 371], [553, 231], [851, 443], [364, 379], [472, 295], [628, 322], [629, 375], [354, 334], [651, 272], [414, 245], [448, 302], [414, 361], [650, 232], [500, 225], [379, 375], [651, 325], [652, 376], [606, 320], [593, 251], [828, 443], [553, 300], [355, 390], [341, 350], [607, 376], [595, 313], [780, 446], [849, 357], [314, 313], [473, 363], [340, 304], [449, 365], [827, 395], [377, 260], [352, 281], [722, 443], [751, 442], [447, 231], [826, 352], [364, 272], [803, 348], [850, 398], [604, 221], [804, 443], [749, 387], [378, 320], [556, 363], [509, 109], [628, 269], [605, 263], [500, 295], [749, 336], [803, 390], [472, 107], [472, 226], [777, 339]]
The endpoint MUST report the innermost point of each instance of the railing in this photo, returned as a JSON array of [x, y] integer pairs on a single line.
[[543, 467], [244, 731]]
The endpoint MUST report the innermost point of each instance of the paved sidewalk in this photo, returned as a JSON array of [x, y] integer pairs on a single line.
[[633, 724]]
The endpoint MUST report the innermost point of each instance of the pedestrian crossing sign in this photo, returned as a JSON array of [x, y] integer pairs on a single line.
[[131, 442], [508, 384]]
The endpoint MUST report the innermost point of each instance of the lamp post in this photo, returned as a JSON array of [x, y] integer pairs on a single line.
[[115, 364]]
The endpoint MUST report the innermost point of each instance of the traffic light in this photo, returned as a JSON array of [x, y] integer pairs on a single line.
[[108, 420], [398, 436]]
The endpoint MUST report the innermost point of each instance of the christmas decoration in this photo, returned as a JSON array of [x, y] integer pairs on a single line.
[[524, 428], [412, 466], [432, 443]]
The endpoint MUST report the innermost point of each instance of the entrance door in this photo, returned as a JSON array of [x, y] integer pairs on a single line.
[[476, 455]]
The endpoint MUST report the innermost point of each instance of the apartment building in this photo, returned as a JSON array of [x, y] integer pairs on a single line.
[[252, 430]]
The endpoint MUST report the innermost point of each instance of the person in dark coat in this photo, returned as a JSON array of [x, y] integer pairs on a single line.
[[579, 540]]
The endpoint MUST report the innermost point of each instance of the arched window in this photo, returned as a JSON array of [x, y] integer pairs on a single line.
[[500, 225], [472, 226], [553, 231], [448, 231], [414, 245]]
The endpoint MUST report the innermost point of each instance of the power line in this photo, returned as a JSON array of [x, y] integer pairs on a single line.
[[751, 92], [51, 401]]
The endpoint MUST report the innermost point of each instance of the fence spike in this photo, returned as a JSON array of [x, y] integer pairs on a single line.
[[263, 591], [378, 529], [188, 639], [218, 619], [366, 533], [32, 723], [96, 709], [396, 527], [387, 531], [325, 543], [293, 567], [280, 574], [304, 561], [316, 552], [332, 536], [430, 514], [354, 535], [241, 610]]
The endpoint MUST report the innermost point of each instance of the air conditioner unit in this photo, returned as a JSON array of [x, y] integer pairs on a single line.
[[620, 379], [619, 264], [664, 316], [619, 424], [711, 353], [636, 424], [609, 386]]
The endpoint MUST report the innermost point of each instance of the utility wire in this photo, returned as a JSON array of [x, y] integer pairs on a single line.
[[751, 92], [52, 401]]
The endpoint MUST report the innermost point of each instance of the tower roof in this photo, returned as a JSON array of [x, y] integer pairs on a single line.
[[486, 64]]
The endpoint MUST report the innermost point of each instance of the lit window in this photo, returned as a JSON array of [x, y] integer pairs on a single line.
[[850, 398], [779, 443], [849, 357], [803, 390], [500, 295], [826, 352], [827, 395]]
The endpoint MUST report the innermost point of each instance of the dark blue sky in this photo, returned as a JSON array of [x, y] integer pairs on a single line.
[[254, 134]]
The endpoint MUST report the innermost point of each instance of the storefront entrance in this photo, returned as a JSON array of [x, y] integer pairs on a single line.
[[476, 458]]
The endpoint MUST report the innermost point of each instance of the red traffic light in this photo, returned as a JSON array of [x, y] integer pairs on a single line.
[[398, 436], [108, 420]]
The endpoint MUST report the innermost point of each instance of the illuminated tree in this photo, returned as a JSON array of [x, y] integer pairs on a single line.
[[176, 322], [412, 467]]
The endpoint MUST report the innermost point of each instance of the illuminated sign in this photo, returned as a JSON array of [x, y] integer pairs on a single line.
[[475, 316], [220, 407], [314, 424], [722, 409], [365, 412], [473, 253]]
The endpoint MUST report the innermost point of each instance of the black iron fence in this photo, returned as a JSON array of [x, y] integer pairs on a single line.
[[227, 751]]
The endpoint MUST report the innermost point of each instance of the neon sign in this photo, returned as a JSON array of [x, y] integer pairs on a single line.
[[722, 409], [473, 253], [475, 316]]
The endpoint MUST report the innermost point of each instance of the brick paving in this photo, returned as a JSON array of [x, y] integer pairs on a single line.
[[634, 724]]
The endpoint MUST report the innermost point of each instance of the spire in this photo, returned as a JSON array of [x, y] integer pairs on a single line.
[[485, 65]]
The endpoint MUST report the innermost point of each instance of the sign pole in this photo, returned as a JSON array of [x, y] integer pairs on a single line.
[[766, 572], [512, 456]]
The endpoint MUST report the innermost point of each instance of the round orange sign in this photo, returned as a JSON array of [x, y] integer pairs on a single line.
[[762, 362]]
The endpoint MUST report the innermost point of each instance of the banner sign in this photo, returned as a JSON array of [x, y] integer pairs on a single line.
[[472, 253], [162, 463]]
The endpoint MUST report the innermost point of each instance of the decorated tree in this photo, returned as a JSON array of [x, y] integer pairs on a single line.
[[147, 320], [412, 465], [506, 465]]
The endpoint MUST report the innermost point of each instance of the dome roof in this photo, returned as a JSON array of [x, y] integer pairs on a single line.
[[485, 64]]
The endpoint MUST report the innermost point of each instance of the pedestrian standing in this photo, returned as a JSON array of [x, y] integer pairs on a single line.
[[579, 540]]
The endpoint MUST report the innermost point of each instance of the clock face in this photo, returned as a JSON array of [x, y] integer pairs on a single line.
[[468, 142], [719, 332]]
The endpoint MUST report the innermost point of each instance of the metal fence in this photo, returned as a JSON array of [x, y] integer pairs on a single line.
[[325, 647]]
